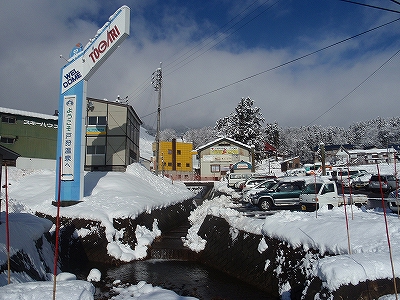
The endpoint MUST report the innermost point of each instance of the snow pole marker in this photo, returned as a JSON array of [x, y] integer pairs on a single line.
[[350, 191], [316, 198], [7, 228], [397, 185], [387, 233], [57, 231], [345, 213]]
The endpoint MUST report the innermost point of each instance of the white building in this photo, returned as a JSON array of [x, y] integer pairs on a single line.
[[217, 157], [364, 157]]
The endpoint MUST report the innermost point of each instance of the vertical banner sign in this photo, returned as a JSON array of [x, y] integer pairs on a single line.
[[82, 64], [68, 138]]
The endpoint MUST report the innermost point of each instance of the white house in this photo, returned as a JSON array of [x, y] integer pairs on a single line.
[[363, 157], [217, 157]]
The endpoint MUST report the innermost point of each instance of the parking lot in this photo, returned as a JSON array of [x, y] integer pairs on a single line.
[[249, 210]]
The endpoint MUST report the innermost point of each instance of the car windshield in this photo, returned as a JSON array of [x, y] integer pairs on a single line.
[[312, 188], [275, 186], [265, 184]]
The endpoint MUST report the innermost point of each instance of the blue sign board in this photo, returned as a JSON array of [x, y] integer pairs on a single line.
[[82, 64]]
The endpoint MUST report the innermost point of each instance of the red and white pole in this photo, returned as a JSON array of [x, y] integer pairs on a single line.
[[7, 228], [387, 232], [57, 231]]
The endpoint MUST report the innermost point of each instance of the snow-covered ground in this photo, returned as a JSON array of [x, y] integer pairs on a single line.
[[359, 254]]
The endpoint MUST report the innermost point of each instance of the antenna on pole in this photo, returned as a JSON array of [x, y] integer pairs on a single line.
[[156, 80]]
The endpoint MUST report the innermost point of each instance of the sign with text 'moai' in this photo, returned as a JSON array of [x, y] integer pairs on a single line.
[[82, 64]]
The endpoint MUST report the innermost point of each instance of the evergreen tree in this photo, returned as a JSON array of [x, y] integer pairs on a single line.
[[244, 124]]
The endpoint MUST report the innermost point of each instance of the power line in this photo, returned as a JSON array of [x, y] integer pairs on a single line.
[[373, 6], [143, 87], [353, 90], [281, 65], [220, 41], [217, 31]]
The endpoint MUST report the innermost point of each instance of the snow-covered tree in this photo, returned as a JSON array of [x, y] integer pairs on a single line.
[[200, 136], [168, 135], [244, 124]]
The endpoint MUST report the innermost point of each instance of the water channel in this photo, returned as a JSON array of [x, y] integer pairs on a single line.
[[185, 278]]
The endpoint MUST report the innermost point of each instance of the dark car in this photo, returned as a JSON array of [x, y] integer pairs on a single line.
[[282, 193], [388, 183]]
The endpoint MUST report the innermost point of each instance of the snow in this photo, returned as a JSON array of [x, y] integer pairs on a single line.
[[94, 275], [127, 194]]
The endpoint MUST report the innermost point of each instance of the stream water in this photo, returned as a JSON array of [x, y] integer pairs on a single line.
[[183, 277]]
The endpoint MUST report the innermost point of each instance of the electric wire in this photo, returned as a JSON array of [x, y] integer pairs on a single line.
[[225, 37], [215, 33], [353, 90], [143, 87], [281, 65], [373, 6]]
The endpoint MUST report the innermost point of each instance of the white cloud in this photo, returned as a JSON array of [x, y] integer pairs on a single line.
[[294, 95]]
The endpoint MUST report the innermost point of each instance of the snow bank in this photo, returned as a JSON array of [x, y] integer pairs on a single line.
[[108, 195], [145, 291], [71, 290]]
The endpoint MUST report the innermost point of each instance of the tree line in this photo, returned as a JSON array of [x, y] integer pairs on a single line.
[[246, 125]]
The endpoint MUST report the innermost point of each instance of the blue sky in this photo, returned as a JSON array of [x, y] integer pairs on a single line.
[[207, 51]]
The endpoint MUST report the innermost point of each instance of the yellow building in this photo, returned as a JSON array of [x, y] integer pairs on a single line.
[[175, 159]]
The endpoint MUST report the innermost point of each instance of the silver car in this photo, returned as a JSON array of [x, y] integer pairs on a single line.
[[388, 183], [393, 201]]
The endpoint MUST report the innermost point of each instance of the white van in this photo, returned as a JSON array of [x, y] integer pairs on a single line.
[[236, 177]]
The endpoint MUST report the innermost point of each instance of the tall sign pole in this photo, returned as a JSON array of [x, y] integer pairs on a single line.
[[82, 64]]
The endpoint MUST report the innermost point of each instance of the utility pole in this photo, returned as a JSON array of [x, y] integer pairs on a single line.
[[156, 80], [322, 153]]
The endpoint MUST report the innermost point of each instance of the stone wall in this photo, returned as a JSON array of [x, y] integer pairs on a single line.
[[277, 270], [77, 251]]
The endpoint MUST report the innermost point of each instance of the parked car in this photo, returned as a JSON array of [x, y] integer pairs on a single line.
[[343, 175], [252, 182], [284, 192], [361, 181], [393, 201], [388, 183], [233, 178], [324, 192], [347, 181], [265, 185]]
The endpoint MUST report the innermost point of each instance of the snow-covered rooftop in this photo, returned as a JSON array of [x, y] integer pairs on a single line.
[[27, 113]]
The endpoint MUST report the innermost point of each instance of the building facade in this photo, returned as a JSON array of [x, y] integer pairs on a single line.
[[175, 159], [28, 134], [112, 135], [365, 156], [217, 157], [111, 140]]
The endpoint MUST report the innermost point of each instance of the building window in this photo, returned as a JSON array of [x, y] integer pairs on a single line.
[[169, 151], [99, 120], [170, 164], [215, 168], [179, 165], [96, 149], [7, 140], [187, 165], [8, 119], [178, 152]]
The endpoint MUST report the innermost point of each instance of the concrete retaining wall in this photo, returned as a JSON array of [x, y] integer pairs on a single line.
[[278, 267]]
